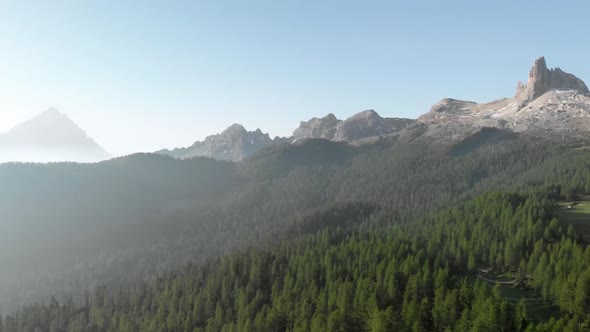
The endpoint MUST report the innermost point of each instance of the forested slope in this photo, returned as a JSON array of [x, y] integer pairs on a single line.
[[417, 277], [128, 219]]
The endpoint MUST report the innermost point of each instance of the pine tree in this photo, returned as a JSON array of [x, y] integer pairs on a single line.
[[521, 315]]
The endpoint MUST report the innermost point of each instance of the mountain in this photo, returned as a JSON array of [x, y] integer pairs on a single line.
[[49, 136], [541, 80], [369, 124], [324, 128], [236, 143], [551, 100], [359, 126], [233, 144]]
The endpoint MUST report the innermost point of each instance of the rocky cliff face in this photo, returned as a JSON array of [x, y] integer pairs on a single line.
[[551, 100], [541, 80], [368, 124], [359, 126], [451, 106], [233, 144], [317, 128]]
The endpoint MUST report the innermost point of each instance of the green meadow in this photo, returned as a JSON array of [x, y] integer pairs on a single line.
[[576, 213]]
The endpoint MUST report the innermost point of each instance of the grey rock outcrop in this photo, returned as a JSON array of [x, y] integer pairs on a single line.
[[541, 80], [359, 126], [317, 128], [451, 106], [368, 124], [233, 144], [551, 100]]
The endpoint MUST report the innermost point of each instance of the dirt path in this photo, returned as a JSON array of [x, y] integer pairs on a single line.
[[508, 282]]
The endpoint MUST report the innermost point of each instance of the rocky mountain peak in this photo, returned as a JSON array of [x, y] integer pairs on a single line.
[[362, 125], [450, 105], [331, 116], [550, 100], [541, 80], [369, 124], [317, 128], [234, 143], [368, 114], [235, 129]]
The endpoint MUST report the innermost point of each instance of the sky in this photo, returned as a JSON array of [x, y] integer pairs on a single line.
[[145, 75]]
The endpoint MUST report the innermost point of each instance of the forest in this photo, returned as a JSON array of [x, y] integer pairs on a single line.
[[415, 277], [320, 236]]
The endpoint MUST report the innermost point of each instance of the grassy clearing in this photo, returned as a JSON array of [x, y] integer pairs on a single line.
[[576, 213], [538, 310]]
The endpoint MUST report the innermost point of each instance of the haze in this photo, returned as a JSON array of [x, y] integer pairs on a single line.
[[141, 76], [312, 166]]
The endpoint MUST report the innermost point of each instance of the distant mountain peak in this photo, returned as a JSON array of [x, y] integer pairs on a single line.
[[367, 124], [53, 135], [235, 128], [324, 127], [234, 144], [362, 125], [49, 122], [367, 114], [52, 111]]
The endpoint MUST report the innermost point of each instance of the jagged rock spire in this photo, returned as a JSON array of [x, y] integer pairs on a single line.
[[541, 79]]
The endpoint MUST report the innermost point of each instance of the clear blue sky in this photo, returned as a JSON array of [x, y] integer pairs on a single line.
[[143, 75]]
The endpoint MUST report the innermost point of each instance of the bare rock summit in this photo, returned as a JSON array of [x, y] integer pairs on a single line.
[[369, 124], [360, 126], [317, 128], [234, 144], [541, 80], [551, 100]]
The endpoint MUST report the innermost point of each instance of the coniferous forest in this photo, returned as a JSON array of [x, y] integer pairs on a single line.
[[321, 236], [294, 166]]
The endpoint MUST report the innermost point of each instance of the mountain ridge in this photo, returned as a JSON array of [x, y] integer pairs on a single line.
[[550, 100], [233, 144]]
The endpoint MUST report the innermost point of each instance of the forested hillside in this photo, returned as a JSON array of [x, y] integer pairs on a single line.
[[122, 221], [414, 277], [459, 208]]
